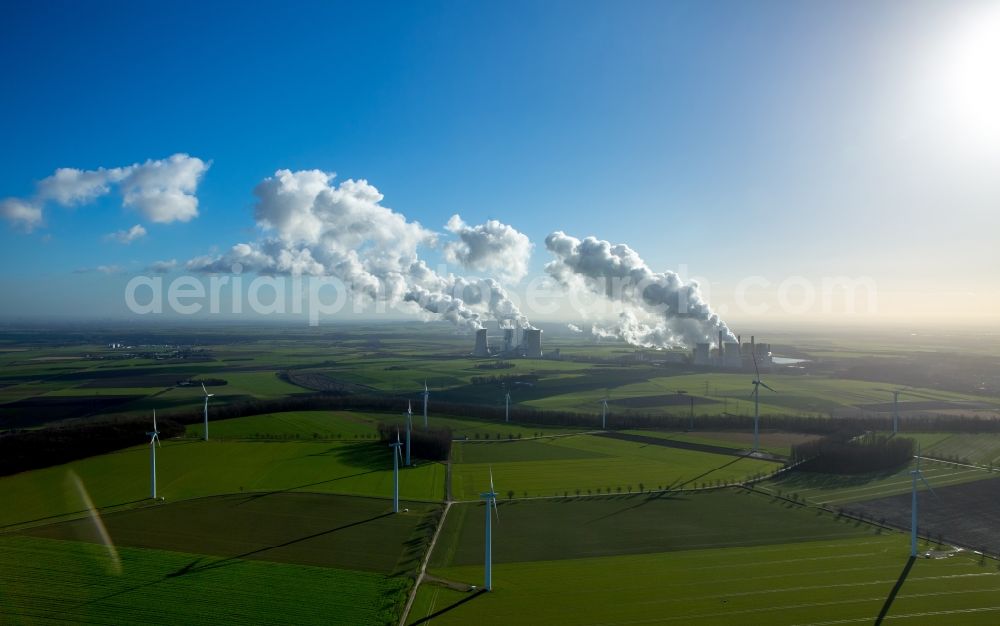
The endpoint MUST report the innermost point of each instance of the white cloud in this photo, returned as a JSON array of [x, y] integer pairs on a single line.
[[22, 215], [492, 246], [102, 269], [127, 236], [70, 187], [162, 267], [162, 191]]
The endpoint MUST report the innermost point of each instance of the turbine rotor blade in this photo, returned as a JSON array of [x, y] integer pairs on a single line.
[[765, 386], [203, 389]]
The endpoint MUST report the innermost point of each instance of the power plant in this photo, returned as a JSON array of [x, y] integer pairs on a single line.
[[733, 355], [512, 342]]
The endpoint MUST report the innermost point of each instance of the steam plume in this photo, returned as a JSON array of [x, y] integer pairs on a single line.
[[658, 309]]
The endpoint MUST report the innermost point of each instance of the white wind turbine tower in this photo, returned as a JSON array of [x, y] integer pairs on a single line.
[[916, 473], [427, 395], [604, 414], [491, 499], [395, 473], [409, 425], [507, 410], [207, 396], [757, 384], [154, 441]]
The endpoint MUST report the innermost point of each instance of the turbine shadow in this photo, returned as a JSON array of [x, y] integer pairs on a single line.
[[193, 567], [101, 510], [254, 496], [895, 590], [448, 608]]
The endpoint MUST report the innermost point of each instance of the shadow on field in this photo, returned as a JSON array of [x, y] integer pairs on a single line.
[[254, 496], [895, 590], [103, 509], [704, 474], [193, 567], [448, 608], [369, 455]]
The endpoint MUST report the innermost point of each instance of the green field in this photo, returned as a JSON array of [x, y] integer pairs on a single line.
[[724, 556], [590, 463], [571, 528], [349, 425], [189, 469], [839, 581], [49, 581], [346, 532], [775, 442], [839, 489], [980, 449], [291, 425]]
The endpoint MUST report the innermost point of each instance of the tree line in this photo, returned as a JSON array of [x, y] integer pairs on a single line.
[[842, 454], [54, 445], [431, 444]]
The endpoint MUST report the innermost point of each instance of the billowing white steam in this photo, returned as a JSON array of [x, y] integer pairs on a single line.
[[311, 226], [658, 309], [492, 246], [574, 328]]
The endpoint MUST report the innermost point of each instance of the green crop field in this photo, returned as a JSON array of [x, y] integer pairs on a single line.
[[840, 581], [346, 532], [291, 424], [592, 463], [981, 449], [774, 442], [49, 581], [570, 528], [839, 489], [354, 424], [188, 469]]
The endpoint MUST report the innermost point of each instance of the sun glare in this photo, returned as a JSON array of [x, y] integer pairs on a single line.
[[967, 76]]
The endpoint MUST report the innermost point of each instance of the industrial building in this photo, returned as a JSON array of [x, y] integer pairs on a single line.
[[733, 355], [512, 342]]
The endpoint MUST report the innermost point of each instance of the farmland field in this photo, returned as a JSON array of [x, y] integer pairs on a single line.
[[349, 425], [838, 490], [48, 581], [836, 581], [324, 530], [586, 462], [188, 469]]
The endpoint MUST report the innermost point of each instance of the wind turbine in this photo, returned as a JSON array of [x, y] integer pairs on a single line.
[[395, 473], [604, 414], [154, 441], [895, 407], [507, 409], [409, 425], [491, 499], [207, 396], [757, 384], [916, 473], [427, 395]]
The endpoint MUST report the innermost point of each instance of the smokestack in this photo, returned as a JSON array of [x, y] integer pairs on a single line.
[[482, 346]]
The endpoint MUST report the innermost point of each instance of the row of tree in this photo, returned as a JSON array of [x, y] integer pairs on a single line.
[[842, 454], [44, 447], [430, 444]]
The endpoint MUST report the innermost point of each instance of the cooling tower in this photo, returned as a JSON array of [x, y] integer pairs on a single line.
[[532, 343], [482, 345]]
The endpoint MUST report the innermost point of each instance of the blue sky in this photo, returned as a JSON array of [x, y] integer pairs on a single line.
[[730, 138]]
